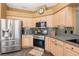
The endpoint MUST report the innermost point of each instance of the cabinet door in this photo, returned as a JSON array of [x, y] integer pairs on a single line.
[[53, 47], [27, 41], [68, 52], [50, 20], [62, 17], [55, 20], [59, 50], [69, 17], [47, 44]]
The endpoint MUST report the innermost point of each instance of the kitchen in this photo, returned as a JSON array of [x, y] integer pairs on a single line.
[[43, 29]]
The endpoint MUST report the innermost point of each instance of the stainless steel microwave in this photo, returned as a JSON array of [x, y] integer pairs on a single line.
[[41, 24]]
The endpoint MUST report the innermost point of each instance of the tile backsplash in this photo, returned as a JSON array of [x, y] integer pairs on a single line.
[[65, 31]]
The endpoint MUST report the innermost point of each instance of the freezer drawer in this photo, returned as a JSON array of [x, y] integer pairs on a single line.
[[15, 48], [5, 44], [5, 49]]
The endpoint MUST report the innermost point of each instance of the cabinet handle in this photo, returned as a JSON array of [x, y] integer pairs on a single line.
[[72, 48]]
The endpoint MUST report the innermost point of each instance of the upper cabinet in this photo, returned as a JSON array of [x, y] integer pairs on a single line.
[[69, 16], [49, 20], [64, 17]]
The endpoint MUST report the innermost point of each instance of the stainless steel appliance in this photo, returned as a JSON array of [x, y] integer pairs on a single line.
[[10, 38], [41, 24], [41, 31], [39, 41]]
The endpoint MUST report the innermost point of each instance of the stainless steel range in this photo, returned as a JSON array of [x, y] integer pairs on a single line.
[[10, 38], [39, 41]]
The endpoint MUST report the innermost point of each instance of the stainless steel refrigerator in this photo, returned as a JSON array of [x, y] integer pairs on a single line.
[[10, 37]]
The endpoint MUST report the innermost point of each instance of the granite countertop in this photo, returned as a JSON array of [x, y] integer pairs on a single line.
[[65, 38]]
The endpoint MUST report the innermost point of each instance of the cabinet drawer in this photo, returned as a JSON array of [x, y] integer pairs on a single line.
[[71, 47], [68, 52]]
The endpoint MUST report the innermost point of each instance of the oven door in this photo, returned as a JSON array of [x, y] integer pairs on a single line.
[[38, 43]]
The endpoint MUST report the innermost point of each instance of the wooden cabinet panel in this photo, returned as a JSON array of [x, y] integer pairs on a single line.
[[64, 17], [27, 41], [47, 44], [56, 47], [68, 52], [59, 48], [71, 47], [50, 21], [69, 17], [53, 46]]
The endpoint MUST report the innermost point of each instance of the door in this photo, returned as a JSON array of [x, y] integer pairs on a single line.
[[4, 36]]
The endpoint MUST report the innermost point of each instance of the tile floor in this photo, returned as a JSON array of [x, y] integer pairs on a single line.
[[24, 52]]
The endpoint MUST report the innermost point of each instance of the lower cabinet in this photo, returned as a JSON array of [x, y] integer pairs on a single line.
[[68, 52], [53, 46], [27, 41], [47, 44], [59, 48], [56, 47]]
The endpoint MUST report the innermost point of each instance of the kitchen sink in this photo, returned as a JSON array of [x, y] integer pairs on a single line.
[[74, 40]]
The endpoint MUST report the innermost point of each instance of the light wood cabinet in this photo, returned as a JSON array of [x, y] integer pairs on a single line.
[[27, 41], [53, 46], [68, 52], [59, 48], [28, 22], [55, 20], [69, 16], [50, 21], [64, 17], [47, 44]]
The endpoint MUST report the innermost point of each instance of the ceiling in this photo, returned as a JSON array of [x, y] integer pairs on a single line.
[[29, 6]]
